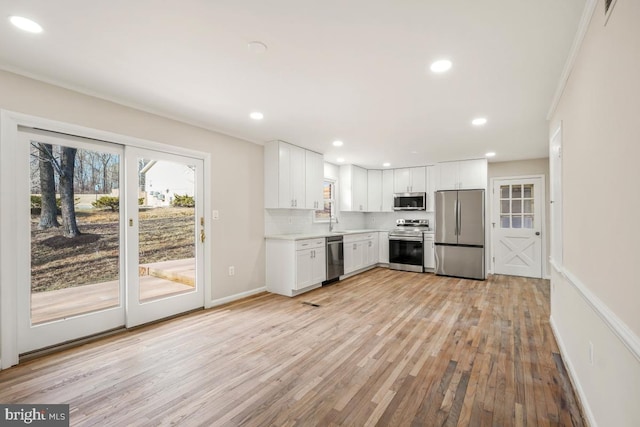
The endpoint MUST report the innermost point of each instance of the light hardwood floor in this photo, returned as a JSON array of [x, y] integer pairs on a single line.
[[383, 348]]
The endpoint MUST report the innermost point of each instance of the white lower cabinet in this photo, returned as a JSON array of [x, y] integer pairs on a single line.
[[360, 251], [429, 252], [383, 247], [294, 267]]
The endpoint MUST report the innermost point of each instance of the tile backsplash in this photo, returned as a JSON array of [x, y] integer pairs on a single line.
[[295, 221]]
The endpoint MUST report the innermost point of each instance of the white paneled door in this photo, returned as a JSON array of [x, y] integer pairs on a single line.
[[517, 226]]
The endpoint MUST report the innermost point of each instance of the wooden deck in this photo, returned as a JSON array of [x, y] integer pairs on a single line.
[[383, 348], [161, 279]]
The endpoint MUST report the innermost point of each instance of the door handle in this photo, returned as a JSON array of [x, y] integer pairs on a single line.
[[202, 236], [537, 233]]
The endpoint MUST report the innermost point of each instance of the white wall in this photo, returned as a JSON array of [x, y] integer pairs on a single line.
[[236, 186], [596, 292]]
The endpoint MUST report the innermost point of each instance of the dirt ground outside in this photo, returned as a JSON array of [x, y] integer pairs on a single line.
[[166, 233]]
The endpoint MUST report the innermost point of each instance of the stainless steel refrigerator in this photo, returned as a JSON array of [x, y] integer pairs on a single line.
[[459, 238]]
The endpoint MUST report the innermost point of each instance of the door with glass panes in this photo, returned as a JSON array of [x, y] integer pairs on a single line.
[[517, 227]]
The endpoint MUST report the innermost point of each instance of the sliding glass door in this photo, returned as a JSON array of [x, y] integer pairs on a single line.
[[109, 236]]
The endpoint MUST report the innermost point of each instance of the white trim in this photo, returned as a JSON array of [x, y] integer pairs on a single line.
[[235, 297], [613, 322], [575, 381], [543, 226], [587, 14]]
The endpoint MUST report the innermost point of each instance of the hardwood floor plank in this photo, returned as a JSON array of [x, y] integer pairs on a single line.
[[384, 348]]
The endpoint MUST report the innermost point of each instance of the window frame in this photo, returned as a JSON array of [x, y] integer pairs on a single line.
[[331, 200]]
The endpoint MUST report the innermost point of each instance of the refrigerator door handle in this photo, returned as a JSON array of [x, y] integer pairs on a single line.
[[455, 213], [459, 219]]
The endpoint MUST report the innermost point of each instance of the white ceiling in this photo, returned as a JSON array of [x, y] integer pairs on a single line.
[[354, 70]]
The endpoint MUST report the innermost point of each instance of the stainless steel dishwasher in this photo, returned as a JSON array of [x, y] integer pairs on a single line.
[[335, 259]]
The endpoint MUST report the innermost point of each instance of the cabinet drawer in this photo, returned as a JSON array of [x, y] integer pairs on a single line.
[[310, 244]]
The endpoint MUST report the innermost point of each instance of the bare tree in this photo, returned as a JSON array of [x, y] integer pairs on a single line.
[[48, 208], [69, 224]]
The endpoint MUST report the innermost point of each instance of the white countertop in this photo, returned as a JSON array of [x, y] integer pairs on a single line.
[[319, 234]]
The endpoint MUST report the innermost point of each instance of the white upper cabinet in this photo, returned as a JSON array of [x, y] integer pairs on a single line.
[[353, 188], [290, 173], [314, 179], [462, 175], [374, 190], [410, 180], [387, 190], [431, 188]]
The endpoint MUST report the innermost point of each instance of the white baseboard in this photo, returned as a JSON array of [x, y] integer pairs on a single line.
[[575, 381], [235, 297]]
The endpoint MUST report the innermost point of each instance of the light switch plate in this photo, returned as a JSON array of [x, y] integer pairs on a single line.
[[216, 214]]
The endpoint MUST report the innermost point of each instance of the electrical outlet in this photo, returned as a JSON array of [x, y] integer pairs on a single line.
[[216, 214], [591, 353], [232, 270]]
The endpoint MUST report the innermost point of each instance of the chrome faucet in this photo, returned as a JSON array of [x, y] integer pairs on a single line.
[[331, 223]]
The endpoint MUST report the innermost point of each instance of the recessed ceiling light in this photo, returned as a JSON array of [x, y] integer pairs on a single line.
[[338, 143], [441, 66], [256, 115], [480, 121], [340, 160], [386, 165], [490, 154], [256, 47], [26, 24]]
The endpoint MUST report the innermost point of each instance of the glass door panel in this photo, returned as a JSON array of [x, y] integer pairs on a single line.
[[73, 286], [165, 235], [167, 228]]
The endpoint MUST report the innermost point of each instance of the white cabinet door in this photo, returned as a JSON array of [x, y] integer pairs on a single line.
[[383, 247], [319, 265], [304, 269], [291, 180], [387, 190], [359, 189], [314, 180], [448, 176], [297, 176], [401, 180], [374, 190], [371, 251], [472, 174], [418, 179], [353, 256], [431, 188], [429, 253], [353, 188]]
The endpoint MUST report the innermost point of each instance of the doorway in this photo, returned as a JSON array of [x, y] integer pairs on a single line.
[[517, 226], [107, 235]]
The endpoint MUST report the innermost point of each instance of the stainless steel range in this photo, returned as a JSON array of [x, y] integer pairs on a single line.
[[406, 245]]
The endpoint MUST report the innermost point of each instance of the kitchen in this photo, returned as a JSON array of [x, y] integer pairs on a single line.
[[61, 78], [386, 218]]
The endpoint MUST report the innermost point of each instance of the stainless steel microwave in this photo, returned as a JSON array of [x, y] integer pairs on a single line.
[[410, 201]]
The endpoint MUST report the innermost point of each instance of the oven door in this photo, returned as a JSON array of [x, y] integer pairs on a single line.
[[406, 254]]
